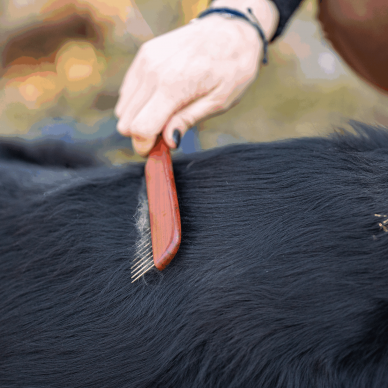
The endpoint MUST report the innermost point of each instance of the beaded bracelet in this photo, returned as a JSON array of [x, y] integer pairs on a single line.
[[237, 14]]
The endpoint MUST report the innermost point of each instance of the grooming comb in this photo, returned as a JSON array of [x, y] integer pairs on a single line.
[[164, 216]]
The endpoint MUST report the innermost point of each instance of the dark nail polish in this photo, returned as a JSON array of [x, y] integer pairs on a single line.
[[176, 136]]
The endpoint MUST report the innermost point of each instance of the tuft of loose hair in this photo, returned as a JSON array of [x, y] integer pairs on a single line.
[[143, 260]]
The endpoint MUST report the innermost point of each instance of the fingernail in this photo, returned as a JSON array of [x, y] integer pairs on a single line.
[[176, 136]]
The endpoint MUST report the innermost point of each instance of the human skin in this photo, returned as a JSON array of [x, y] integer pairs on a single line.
[[192, 73]]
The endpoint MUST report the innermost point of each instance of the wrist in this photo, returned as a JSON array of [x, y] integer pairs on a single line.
[[264, 10]]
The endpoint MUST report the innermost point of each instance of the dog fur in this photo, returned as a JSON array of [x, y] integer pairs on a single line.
[[281, 279]]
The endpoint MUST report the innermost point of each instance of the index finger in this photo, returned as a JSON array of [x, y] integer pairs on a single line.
[[155, 114], [132, 81]]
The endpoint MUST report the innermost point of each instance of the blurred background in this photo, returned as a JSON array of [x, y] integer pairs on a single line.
[[62, 63]]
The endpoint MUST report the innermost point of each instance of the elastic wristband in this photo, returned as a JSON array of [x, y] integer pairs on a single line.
[[238, 14]]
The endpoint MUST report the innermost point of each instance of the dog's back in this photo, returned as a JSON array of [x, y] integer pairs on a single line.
[[281, 279]]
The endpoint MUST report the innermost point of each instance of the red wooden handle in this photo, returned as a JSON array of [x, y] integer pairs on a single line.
[[163, 205]]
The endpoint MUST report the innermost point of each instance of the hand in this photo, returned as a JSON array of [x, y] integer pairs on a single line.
[[187, 75]]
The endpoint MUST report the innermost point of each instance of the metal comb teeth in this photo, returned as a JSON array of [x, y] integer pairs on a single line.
[[144, 259]]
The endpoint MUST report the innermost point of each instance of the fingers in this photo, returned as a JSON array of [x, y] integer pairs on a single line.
[[148, 123], [134, 105], [144, 131], [214, 103], [161, 112], [161, 108], [132, 81], [152, 117]]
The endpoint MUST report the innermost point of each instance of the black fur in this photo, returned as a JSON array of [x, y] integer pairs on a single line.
[[281, 279], [47, 153]]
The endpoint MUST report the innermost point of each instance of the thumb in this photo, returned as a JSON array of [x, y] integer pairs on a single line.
[[143, 145], [188, 116]]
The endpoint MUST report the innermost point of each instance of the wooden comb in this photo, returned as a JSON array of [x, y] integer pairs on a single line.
[[165, 220]]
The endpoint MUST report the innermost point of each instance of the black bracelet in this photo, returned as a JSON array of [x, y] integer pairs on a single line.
[[234, 13]]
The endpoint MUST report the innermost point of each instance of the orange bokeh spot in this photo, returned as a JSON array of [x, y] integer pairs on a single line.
[[34, 90], [78, 67]]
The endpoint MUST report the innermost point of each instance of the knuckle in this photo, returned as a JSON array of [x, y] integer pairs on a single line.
[[126, 129], [145, 50], [142, 130], [223, 103], [121, 127], [135, 132], [188, 120], [142, 49]]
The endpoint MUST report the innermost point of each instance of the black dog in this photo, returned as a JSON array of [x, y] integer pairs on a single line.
[[281, 279]]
